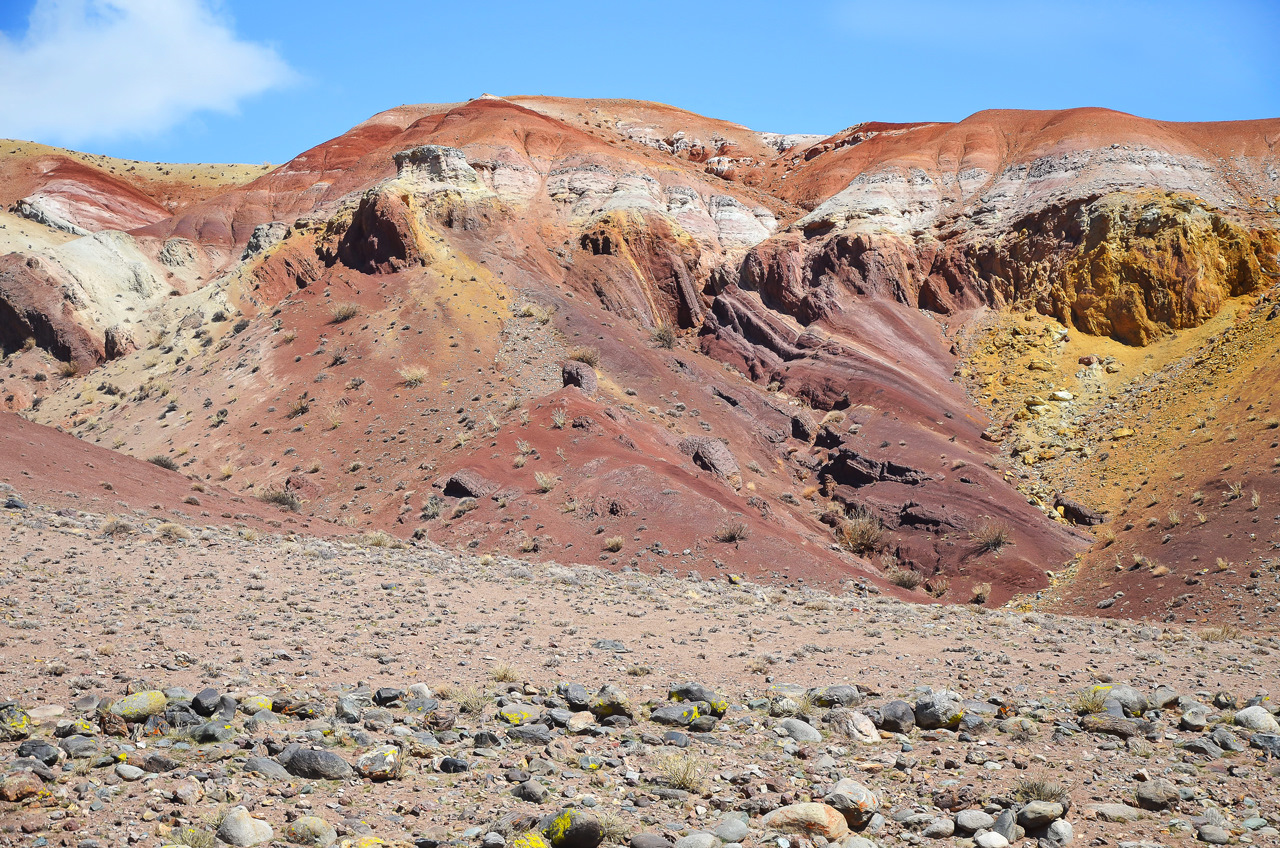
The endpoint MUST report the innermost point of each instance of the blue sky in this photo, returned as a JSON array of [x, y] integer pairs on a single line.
[[232, 80]]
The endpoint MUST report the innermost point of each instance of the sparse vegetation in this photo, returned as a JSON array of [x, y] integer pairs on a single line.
[[340, 312], [586, 355], [1220, 633], [412, 377], [613, 544], [1089, 701], [860, 532], [192, 837], [470, 699], [280, 497], [505, 673], [905, 578], [379, 539], [559, 417], [937, 586], [546, 482], [991, 538], [118, 527], [532, 310], [664, 336], [981, 592], [682, 771], [299, 406], [163, 461], [731, 531], [173, 532], [1039, 788]]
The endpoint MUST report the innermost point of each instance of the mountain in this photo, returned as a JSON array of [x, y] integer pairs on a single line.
[[1024, 349]]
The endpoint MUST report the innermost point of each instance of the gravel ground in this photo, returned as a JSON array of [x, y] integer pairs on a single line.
[[169, 682]]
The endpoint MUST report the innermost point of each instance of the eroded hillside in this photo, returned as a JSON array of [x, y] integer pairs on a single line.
[[616, 332]]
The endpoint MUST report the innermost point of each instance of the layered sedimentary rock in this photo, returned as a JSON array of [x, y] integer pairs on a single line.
[[678, 322]]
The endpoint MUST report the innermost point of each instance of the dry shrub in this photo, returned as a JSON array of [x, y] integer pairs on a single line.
[[505, 673], [937, 586], [118, 527], [280, 497], [1089, 701], [470, 699], [682, 771], [981, 592], [164, 462], [732, 531], [665, 336], [1039, 788], [1220, 633], [586, 355], [413, 376], [173, 532], [613, 544], [860, 533], [991, 538], [904, 577], [340, 312]]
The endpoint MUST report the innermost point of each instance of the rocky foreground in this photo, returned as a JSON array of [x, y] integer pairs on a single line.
[[176, 685]]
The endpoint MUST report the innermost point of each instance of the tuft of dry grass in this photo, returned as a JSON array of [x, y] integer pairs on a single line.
[[163, 461], [118, 527], [682, 771], [379, 539], [340, 312], [559, 417], [299, 406], [937, 585], [412, 377], [1220, 633], [546, 482], [981, 592], [732, 531], [1089, 701], [192, 837], [505, 673], [470, 699], [280, 497], [586, 355], [665, 336], [904, 577], [1039, 788], [991, 538], [532, 310], [613, 544], [860, 533], [173, 532]]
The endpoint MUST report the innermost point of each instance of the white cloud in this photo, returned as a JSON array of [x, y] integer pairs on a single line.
[[93, 69]]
